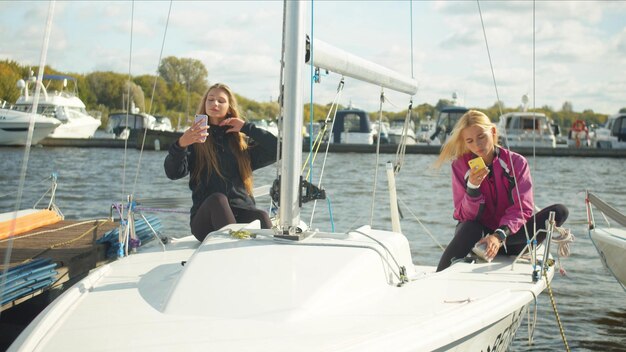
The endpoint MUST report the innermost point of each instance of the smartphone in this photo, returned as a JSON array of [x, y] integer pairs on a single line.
[[205, 121], [477, 163]]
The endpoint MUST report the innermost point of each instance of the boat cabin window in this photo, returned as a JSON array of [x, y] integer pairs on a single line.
[[619, 126], [352, 123], [529, 124], [46, 110], [117, 122], [447, 120]]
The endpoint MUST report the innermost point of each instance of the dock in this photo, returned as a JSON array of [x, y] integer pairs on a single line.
[[435, 149], [71, 245], [154, 140], [163, 141]]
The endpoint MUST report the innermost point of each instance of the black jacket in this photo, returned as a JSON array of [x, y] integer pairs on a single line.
[[179, 163]]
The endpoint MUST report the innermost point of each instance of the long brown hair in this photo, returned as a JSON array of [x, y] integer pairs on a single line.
[[206, 159], [455, 146]]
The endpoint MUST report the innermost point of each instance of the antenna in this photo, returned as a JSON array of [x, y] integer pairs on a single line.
[[525, 102]]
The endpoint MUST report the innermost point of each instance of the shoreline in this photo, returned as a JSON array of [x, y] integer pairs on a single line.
[[162, 143]]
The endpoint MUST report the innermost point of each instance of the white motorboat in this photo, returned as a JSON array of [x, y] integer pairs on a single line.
[[353, 126], [292, 288], [525, 129], [612, 135], [447, 118], [425, 129], [14, 126], [610, 241], [63, 105], [269, 126], [397, 132]]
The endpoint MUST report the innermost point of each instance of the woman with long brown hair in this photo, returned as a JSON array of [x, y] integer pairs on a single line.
[[220, 162]]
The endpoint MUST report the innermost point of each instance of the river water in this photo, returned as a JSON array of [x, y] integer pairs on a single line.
[[591, 304]]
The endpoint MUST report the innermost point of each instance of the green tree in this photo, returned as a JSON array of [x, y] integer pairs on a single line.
[[189, 73], [109, 88], [161, 93], [567, 107], [10, 73]]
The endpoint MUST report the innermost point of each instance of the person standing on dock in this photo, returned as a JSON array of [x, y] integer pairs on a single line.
[[493, 202], [220, 162]]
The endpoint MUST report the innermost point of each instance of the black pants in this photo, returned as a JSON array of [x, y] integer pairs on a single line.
[[469, 232], [215, 213]]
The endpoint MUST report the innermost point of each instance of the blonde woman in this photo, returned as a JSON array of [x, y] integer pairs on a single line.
[[492, 204], [220, 164]]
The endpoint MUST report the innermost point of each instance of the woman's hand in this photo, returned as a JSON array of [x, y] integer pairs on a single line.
[[493, 245], [235, 124], [477, 176], [197, 133]]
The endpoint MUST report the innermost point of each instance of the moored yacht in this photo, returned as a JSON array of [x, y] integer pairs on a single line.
[[397, 133], [63, 105], [526, 129], [612, 135], [14, 126], [447, 118]]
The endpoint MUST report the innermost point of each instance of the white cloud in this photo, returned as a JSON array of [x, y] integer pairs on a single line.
[[579, 45]]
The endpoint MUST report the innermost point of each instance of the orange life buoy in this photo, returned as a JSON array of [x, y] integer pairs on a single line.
[[579, 126]]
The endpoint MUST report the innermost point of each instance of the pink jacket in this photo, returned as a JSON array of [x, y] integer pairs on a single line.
[[496, 203]]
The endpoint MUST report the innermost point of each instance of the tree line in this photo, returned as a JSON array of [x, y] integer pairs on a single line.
[[181, 82]]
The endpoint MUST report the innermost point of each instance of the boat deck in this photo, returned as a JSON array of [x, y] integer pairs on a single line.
[[69, 243]]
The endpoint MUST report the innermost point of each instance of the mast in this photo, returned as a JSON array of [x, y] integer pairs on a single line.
[[292, 119]]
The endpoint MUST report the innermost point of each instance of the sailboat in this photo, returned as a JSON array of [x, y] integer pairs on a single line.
[[610, 241], [293, 288]]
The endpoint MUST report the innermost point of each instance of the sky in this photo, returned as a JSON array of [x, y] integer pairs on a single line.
[[560, 51]]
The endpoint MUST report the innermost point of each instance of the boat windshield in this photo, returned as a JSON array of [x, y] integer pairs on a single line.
[[447, 120], [46, 110], [119, 121], [527, 123]]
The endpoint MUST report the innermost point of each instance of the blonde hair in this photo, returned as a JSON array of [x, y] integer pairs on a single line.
[[455, 146], [206, 156]]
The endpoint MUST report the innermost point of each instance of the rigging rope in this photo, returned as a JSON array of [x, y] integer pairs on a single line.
[[380, 128], [319, 138], [401, 150], [556, 312]]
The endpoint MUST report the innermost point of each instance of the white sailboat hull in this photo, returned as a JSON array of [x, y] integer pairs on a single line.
[[327, 292], [611, 245]]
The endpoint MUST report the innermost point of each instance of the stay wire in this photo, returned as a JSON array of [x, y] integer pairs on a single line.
[[156, 78], [311, 83], [29, 140], [130, 61], [495, 85]]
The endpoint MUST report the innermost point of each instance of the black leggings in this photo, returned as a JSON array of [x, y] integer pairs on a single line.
[[469, 232], [215, 213]]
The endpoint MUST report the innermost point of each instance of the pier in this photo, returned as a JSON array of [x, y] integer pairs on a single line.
[[71, 245], [162, 142]]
